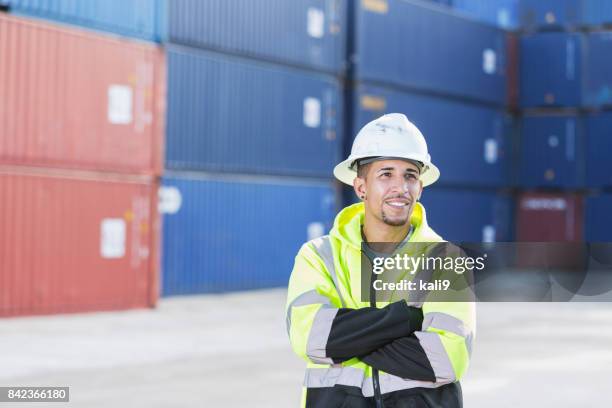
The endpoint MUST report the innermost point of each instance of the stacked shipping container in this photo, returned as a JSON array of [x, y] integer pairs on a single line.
[[566, 90], [255, 89], [306, 33], [143, 19], [228, 114], [258, 114], [72, 241], [75, 99], [503, 13], [233, 233], [452, 76], [255, 116], [578, 74], [80, 153], [564, 14], [251, 92]]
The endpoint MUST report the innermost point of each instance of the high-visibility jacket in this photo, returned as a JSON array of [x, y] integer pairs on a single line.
[[409, 356]]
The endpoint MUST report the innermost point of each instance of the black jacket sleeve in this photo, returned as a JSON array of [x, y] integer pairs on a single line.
[[403, 357], [357, 332]]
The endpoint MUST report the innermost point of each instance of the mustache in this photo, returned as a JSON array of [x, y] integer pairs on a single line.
[[406, 197]]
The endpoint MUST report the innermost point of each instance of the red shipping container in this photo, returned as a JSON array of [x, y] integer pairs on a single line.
[[550, 218], [73, 99], [545, 217], [76, 241]]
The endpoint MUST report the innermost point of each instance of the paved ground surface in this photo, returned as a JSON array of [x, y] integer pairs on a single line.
[[232, 351]]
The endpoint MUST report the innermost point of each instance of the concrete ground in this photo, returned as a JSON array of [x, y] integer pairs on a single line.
[[232, 351]]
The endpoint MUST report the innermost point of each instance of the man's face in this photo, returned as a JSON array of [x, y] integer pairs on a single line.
[[391, 189]]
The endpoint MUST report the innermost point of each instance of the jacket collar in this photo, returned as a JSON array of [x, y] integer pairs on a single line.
[[347, 225]]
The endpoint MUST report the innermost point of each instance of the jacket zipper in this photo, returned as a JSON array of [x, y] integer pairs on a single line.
[[375, 379]]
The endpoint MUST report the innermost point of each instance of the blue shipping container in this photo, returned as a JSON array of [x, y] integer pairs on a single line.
[[551, 71], [426, 47], [311, 33], [550, 13], [552, 152], [599, 218], [444, 2], [566, 69], [468, 142], [503, 13], [599, 147], [235, 235], [556, 14], [469, 215], [597, 63], [597, 12], [144, 19], [238, 115]]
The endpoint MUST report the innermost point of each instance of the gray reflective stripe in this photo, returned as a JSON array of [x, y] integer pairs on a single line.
[[319, 334], [391, 383], [445, 322], [323, 248], [468, 343], [335, 375], [355, 377], [436, 354], [307, 298], [450, 324]]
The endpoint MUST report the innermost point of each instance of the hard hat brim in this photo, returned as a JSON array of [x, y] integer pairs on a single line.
[[345, 174]]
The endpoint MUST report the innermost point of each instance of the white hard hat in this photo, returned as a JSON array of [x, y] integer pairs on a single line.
[[393, 136]]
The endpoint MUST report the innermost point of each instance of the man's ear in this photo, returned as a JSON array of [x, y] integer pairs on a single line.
[[359, 187], [420, 191]]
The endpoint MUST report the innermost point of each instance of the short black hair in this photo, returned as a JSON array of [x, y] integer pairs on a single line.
[[362, 170]]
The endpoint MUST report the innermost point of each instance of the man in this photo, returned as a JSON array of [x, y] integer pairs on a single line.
[[376, 354]]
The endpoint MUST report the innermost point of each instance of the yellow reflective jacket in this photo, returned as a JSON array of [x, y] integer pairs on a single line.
[[325, 294]]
